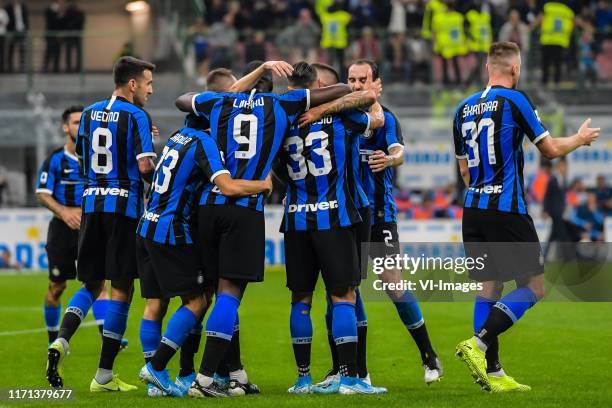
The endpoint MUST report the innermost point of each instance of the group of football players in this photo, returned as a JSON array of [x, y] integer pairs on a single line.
[[201, 234]]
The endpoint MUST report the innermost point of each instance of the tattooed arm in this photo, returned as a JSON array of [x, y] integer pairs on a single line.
[[354, 100]]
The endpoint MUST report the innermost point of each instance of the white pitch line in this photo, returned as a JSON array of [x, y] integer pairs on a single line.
[[41, 330]]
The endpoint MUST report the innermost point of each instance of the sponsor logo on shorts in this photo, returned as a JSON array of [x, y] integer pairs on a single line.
[[322, 206], [496, 189], [55, 271], [113, 191]]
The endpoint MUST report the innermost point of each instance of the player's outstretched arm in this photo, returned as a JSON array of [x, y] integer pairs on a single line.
[[327, 94], [247, 82], [553, 147], [183, 102], [70, 215], [239, 188], [354, 100]]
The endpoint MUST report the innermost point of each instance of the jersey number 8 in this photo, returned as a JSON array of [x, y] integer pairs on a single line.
[[102, 151]]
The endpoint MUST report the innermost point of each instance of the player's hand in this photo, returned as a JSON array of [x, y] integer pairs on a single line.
[[588, 134], [154, 132], [378, 161], [308, 117], [376, 86], [72, 217], [280, 68], [269, 186]]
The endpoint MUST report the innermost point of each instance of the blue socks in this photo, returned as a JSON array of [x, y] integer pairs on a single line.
[[482, 307], [150, 337], [179, 326], [517, 302], [218, 323], [300, 325], [344, 330], [52, 317], [115, 322], [80, 303], [99, 309], [409, 311]]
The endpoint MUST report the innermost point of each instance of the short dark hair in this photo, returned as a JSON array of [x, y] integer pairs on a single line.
[[502, 50], [214, 78], [70, 110], [127, 68], [372, 64], [327, 68], [265, 83], [303, 75]]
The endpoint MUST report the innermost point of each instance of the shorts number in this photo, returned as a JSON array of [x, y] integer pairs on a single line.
[[250, 140], [472, 132], [388, 238], [299, 158], [102, 151], [166, 170]]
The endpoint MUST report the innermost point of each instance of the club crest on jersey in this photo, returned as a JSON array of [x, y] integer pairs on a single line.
[[497, 189], [113, 191], [313, 207]]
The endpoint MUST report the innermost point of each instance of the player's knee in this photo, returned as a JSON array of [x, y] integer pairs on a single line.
[[195, 303], [346, 294], [492, 290], [56, 289], [537, 288], [122, 290], [302, 297], [94, 287], [155, 309], [231, 287]]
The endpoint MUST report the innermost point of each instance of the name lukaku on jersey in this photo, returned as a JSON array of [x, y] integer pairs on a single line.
[[480, 108], [248, 103], [113, 191], [313, 207]]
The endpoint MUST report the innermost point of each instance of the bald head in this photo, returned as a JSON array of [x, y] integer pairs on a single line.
[[504, 62]]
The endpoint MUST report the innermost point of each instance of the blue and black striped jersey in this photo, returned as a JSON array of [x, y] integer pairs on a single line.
[[61, 177], [318, 158], [488, 131], [379, 186], [113, 135], [353, 175], [249, 130], [189, 160]]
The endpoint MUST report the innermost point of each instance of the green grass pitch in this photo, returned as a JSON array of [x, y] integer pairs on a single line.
[[563, 350]]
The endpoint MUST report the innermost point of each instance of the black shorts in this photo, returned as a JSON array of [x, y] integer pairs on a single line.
[[107, 247], [166, 271], [507, 241], [333, 252], [385, 240], [62, 249], [232, 241], [362, 239]]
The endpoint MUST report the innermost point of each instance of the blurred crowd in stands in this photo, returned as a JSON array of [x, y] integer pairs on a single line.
[[408, 37], [64, 25]]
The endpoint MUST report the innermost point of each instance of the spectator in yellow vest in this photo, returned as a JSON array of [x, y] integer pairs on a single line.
[[334, 35], [480, 37], [449, 39], [556, 19]]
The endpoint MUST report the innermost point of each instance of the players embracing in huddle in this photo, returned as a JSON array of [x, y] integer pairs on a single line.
[[202, 232]]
